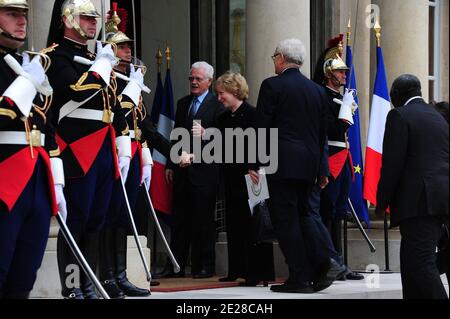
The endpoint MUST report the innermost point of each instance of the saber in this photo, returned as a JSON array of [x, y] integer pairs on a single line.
[[133, 7], [30, 26], [79, 256], [176, 267], [133, 226], [103, 21], [85, 61], [355, 217]]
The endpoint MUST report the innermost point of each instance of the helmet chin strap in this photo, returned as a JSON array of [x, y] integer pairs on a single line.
[[10, 36], [76, 25], [335, 80]]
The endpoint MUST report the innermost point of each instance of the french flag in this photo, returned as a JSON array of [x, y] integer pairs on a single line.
[[160, 190], [380, 108]]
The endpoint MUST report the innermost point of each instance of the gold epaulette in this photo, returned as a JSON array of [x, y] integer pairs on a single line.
[[80, 87]]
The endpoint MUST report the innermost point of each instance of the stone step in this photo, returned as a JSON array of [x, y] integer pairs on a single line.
[[48, 285]]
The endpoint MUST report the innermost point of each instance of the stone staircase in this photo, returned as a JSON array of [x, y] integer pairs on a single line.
[[47, 283], [360, 258]]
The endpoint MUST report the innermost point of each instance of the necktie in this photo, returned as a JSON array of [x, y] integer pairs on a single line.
[[193, 109]]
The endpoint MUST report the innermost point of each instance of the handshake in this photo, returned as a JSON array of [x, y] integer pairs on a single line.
[[186, 159]]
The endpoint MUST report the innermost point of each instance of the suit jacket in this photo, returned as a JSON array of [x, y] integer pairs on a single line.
[[296, 106], [233, 173], [208, 113], [414, 173]]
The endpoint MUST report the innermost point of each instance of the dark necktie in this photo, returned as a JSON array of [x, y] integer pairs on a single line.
[[193, 109]]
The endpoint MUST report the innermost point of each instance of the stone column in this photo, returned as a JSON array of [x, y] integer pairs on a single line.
[[444, 50], [404, 39], [360, 42], [269, 22]]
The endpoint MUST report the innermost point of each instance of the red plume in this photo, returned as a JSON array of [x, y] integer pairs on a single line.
[[333, 42], [123, 15]]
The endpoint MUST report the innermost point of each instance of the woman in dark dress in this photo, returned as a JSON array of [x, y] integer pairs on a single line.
[[253, 262]]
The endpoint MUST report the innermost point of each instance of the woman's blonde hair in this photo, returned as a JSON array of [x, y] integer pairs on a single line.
[[233, 83]]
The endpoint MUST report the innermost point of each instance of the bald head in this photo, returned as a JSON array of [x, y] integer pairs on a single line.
[[403, 88]]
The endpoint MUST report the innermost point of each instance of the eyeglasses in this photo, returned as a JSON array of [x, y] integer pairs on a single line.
[[196, 78], [275, 55]]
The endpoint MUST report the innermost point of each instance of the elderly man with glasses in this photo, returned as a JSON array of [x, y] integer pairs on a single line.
[[195, 185]]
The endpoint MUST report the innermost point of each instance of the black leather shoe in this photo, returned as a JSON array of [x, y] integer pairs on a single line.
[[328, 274], [169, 274], [131, 290], [353, 276], [203, 274], [293, 288], [112, 289], [228, 279]]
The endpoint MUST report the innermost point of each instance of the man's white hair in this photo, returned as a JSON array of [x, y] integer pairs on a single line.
[[293, 50], [209, 70]]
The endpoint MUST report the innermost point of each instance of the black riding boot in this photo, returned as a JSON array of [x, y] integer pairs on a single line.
[[336, 235], [121, 263], [90, 250], [69, 270], [107, 264]]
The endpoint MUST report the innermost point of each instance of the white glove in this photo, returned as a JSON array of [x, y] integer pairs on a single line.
[[124, 166], [348, 98], [135, 85], [61, 201], [345, 112], [34, 69], [104, 62], [105, 52], [137, 76], [147, 176]]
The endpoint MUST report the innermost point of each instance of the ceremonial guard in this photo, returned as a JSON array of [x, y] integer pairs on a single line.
[[31, 174], [92, 134], [331, 73], [113, 240]]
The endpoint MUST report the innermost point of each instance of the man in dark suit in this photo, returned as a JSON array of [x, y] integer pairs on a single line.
[[195, 185], [295, 106], [414, 185]]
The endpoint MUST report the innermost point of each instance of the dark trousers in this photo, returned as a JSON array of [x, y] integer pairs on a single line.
[[288, 206], [194, 225], [117, 216], [334, 197], [88, 197], [23, 235], [323, 247], [420, 276], [245, 260]]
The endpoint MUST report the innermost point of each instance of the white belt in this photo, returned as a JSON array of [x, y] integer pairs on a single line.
[[338, 144], [132, 134], [87, 114], [17, 138]]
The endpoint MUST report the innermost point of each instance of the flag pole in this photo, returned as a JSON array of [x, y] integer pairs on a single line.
[[168, 57], [377, 28], [158, 60]]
